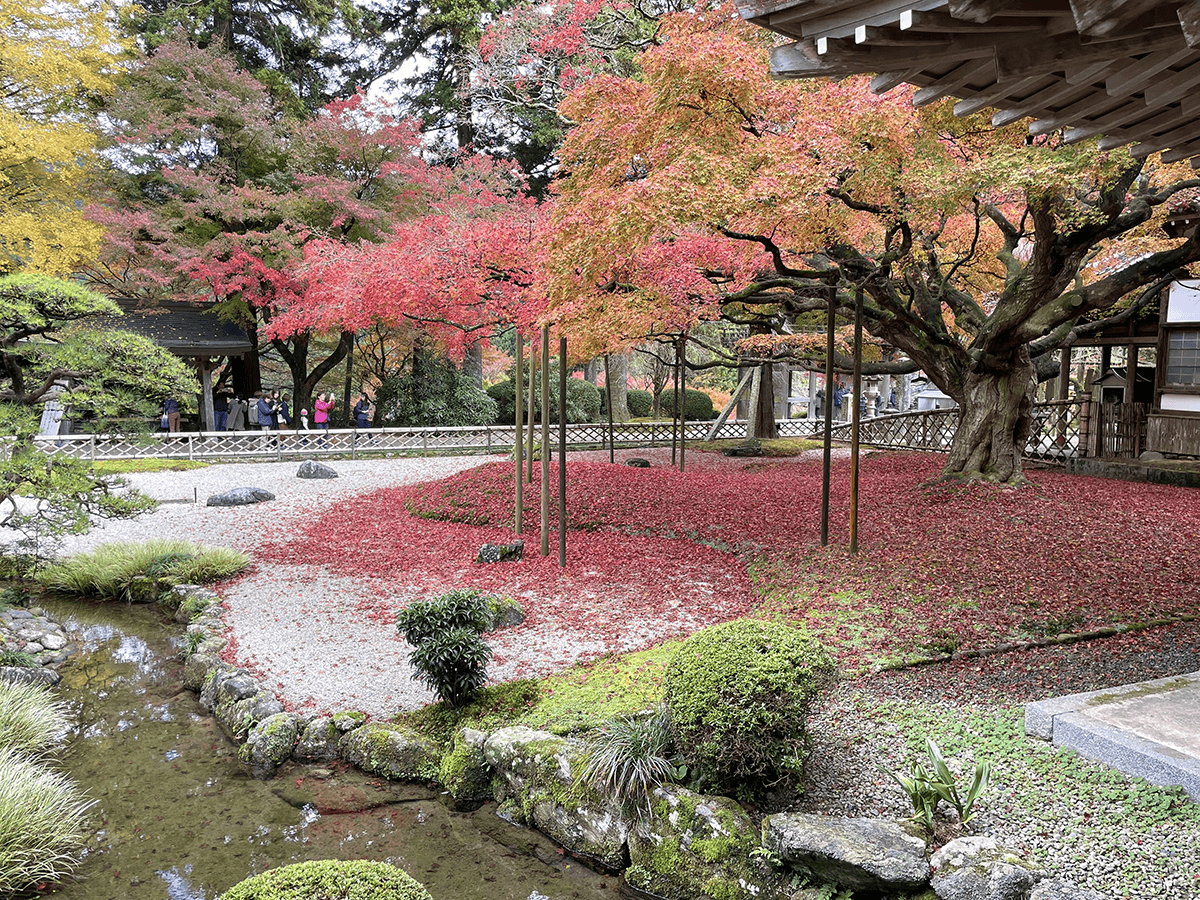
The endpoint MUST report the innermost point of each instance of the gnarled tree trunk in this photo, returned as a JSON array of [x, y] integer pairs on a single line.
[[995, 409]]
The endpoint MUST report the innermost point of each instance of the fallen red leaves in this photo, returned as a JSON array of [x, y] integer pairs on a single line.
[[656, 552]]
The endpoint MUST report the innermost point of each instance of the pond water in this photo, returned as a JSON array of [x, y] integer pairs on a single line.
[[178, 819]]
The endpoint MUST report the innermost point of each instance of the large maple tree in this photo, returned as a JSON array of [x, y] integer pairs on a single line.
[[701, 189]]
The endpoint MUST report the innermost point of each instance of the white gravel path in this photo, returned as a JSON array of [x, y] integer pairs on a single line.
[[296, 626]]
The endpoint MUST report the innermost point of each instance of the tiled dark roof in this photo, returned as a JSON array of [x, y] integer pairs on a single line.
[[186, 329]]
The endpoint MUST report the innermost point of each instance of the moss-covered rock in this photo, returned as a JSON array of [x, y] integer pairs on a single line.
[[390, 751], [348, 720], [465, 773], [739, 695], [692, 846], [504, 611], [269, 744], [318, 742], [237, 716], [330, 879], [534, 772]]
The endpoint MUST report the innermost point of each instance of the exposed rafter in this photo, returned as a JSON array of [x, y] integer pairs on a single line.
[[1125, 70]]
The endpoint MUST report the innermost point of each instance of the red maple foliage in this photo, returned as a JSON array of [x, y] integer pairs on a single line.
[[941, 566]]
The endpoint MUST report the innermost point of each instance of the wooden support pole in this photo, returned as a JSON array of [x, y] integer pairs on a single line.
[[562, 452], [675, 403], [828, 457], [519, 439], [545, 440], [1064, 374], [682, 397], [608, 397], [533, 368], [856, 417]]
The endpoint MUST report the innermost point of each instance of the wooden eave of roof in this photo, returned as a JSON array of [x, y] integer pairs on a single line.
[[1125, 70], [186, 329]]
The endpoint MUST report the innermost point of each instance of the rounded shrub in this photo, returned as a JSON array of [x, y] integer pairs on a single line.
[[330, 879], [583, 400], [639, 402], [697, 405], [739, 694], [449, 653]]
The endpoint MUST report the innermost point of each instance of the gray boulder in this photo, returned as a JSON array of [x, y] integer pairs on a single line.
[[504, 612], [534, 782], [637, 462], [348, 720], [318, 742], [29, 675], [862, 854], [310, 468], [243, 496], [238, 717], [269, 744], [390, 751], [200, 597], [497, 553], [977, 868], [1057, 889]]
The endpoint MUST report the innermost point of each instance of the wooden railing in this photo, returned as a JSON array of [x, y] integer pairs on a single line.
[[1055, 437]]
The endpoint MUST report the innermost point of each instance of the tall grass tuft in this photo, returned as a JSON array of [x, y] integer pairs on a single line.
[[42, 823], [628, 758], [31, 718], [110, 569]]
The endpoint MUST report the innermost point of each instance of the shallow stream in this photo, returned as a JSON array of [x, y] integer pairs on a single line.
[[177, 818]]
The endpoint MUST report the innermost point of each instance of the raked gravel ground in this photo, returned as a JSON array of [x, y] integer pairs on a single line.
[[296, 626]]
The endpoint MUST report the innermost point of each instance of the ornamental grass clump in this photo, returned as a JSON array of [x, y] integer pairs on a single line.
[[42, 819], [449, 653], [739, 694], [628, 758], [32, 719], [111, 569]]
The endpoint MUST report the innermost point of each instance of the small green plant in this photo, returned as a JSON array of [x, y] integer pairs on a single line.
[[449, 653], [628, 758], [926, 787], [42, 817], [18, 659], [330, 879]]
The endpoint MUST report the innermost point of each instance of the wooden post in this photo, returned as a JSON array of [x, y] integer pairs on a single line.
[[828, 456], [519, 439], [1064, 374], [855, 418], [608, 396], [545, 440], [533, 353], [562, 452], [676, 413], [682, 397]]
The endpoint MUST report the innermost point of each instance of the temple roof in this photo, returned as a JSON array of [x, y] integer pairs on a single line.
[[1126, 70], [186, 329]]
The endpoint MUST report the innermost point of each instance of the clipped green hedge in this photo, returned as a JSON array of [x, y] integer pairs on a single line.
[[583, 401], [640, 403], [697, 405], [739, 695], [330, 879]]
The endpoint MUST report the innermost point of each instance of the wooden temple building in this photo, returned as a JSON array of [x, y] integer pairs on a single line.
[[1124, 71]]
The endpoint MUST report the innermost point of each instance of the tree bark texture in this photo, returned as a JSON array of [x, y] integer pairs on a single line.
[[995, 406]]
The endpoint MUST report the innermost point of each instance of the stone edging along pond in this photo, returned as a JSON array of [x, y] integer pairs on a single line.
[[687, 847]]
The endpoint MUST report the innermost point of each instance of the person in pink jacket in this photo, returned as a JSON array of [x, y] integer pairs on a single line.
[[321, 406]]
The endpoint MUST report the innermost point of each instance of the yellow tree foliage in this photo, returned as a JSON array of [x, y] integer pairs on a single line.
[[54, 60]]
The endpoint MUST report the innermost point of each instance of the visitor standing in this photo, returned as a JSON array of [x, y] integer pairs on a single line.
[[221, 410], [362, 410], [171, 414], [321, 409]]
